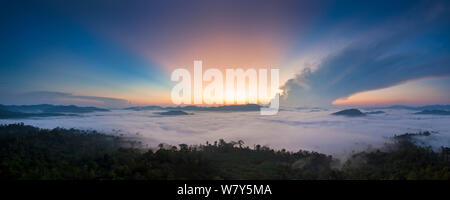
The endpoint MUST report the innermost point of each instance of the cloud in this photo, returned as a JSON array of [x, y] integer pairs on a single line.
[[388, 56], [49, 97]]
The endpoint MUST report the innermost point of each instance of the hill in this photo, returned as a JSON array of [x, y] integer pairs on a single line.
[[427, 107], [48, 108], [43, 110], [350, 113], [433, 112], [224, 108], [173, 112], [5, 114]]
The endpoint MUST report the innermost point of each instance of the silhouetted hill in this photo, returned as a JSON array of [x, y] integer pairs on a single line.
[[427, 107], [434, 107], [433, 112], [139, 108], [174, 112], [47, 108], [5, 114], [247, 107], [374, 112], [8, 114], [74, 109], [235, 108], [43, 110], [350, 113]]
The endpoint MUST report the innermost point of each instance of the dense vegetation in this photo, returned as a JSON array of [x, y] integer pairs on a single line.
[[28, 152]]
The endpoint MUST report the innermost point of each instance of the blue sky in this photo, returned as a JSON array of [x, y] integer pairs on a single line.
[[126, 50]]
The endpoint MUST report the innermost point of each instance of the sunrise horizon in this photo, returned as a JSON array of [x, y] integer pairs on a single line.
[[84, 55], [225, 99]]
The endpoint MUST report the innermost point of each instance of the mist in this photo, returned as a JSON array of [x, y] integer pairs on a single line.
[[291, 129]]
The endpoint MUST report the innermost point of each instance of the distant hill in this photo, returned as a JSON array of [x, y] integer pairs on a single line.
[[225, 108], [47, 108], [247, 107], [5, 114], [375, 112], [435, 107], [427, 107], [43, 110], [433, 112], [174, 112], [139, 108], [350, 113]]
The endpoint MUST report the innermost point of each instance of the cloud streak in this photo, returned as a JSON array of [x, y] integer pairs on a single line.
[[380, 60]]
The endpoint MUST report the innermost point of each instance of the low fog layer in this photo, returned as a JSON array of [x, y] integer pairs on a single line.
[[306, 129]]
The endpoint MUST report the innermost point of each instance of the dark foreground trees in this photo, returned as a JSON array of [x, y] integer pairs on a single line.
[[28, 152]]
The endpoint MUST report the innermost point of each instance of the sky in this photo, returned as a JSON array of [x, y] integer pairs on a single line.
[[120, 53]]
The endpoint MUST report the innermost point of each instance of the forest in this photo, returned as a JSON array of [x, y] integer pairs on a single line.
[[31, 153]]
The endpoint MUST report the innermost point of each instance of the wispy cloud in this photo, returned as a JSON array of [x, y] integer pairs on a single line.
[[387, 56]]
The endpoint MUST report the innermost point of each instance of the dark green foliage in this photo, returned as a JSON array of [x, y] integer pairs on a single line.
[[402, 160], [28, 152]]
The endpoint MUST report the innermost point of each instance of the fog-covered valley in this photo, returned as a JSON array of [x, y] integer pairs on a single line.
[[292, 129]]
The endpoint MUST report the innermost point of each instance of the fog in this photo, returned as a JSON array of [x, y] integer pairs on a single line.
[[292, 129]]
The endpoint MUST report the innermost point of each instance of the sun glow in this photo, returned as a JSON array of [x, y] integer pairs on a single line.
[[213, 87]]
